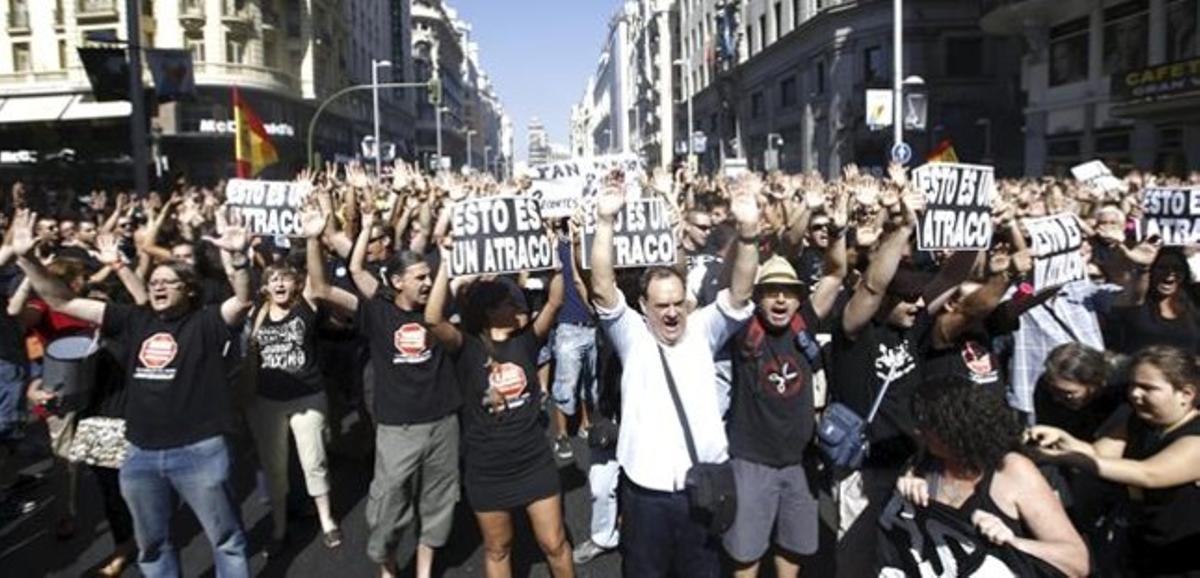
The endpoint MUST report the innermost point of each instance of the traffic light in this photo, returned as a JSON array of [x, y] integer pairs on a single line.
[[435, 91]]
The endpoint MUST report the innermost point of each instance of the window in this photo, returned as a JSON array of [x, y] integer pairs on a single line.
[[750, 38], [63, 55], [1069, 52], [964, 57], [778, 20], [762, 32], [1126, 36], [20, 53], [787, 92], [270, 50], [873, 66], [757, 105], [235, 51], [1181, 29], [819, 81], [795, 14], [195, 45]]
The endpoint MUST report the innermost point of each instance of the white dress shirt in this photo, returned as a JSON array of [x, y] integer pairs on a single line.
[[651, 447]]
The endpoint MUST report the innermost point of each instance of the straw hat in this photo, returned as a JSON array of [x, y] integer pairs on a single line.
[[777, 271]]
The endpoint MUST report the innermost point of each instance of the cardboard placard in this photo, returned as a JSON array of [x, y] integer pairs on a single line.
[[1096, 174], [642, 236], [268, 207], [499, 235], [958, 206], [559, 186], [1056, 256], [1172, 214]]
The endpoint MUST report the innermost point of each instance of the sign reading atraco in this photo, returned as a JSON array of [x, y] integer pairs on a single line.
[[209, 125]]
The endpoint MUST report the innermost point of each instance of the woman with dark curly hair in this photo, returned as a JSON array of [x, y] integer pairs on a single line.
[[974, 467], [1155, 453]]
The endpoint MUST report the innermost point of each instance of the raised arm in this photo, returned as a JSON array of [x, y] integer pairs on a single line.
[[952, 322], [604, 275], [744, 207], [825, 293], [868, 296], [232, 243], [111, 257], [435, 309], [366, 282], [318, 287], [53, 291], [548, 316]]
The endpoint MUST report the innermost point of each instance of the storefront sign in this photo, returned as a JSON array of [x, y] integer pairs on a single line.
[[18, 157], [1157, 81], [213, 126]]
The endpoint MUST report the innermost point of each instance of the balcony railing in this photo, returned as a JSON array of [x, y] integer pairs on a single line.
[[235, 12], [96, 9], [18, 20], [191, 9]]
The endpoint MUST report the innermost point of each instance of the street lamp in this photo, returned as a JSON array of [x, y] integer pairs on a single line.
[[470, 133], [375, 64]]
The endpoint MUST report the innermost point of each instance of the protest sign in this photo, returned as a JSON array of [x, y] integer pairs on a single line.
[[642, 235], [268, 207], [958, 206], [1096, 174], [1056, 256], [499, 235], [1172, 214], [559, 186]]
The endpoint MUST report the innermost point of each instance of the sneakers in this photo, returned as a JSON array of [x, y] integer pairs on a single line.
[[562, 448], [587, 551]]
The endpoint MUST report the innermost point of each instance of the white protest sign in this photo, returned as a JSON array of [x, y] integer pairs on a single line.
[[958, 206], [1172, 214], [268, 207], [642, 235], [1056, 256], [499, 235], [1096, 174], [559, 186]]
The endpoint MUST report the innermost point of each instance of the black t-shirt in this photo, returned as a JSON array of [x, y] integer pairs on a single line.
[[860, 368], [771, 415], [1166, 522], [287, 351], [501, 444], [414, 378], [1135, 327], [175, 374], [972, 357]]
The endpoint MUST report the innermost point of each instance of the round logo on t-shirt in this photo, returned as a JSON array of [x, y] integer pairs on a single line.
[[508, 379], [410, 339], [782, 377], [158, 350]]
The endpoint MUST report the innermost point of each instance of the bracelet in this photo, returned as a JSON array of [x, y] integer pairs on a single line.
[[748, 239], [238, 266]]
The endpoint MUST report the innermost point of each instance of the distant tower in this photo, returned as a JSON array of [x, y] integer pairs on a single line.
[[539, 144]]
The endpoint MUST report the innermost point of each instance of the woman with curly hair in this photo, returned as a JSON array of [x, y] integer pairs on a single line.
[[974, 467], [1155, 453]]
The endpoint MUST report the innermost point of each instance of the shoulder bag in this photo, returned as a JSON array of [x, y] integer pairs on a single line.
[[842, 435]]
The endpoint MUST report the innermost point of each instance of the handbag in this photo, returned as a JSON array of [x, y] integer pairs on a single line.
[[99, 441], [711, 488], [842, 435]]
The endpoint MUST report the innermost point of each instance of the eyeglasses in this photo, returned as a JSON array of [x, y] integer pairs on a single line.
[[171, 283]]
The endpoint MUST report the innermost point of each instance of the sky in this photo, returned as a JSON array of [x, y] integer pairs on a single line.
[[539, 54]]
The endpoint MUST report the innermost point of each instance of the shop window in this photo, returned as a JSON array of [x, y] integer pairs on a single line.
[[964, 57], [787, 92], [20, 55], [1069, 52], [873, 65], [1126, 36], [1181, 29], [757, 105]]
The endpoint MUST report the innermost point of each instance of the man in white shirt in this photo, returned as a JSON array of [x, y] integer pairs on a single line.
[[660, 535]]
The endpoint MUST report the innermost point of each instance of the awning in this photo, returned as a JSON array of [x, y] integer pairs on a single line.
[[34, 108], [57, 107]]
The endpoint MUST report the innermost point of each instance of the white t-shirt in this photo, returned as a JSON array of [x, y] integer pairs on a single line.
[[651, 448]]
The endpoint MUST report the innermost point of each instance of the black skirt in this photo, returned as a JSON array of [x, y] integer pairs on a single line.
[[489, 492]]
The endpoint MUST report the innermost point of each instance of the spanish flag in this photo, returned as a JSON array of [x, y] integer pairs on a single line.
[[253, 149], [943, 153]]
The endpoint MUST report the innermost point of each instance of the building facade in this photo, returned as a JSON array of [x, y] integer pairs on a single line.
[[792, 75], [1110, 80]]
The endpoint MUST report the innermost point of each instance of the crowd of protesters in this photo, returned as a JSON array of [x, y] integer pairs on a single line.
[[1054, 428]]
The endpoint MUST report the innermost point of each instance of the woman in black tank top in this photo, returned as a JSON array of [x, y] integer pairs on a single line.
[[974, 471], [1155, 453]]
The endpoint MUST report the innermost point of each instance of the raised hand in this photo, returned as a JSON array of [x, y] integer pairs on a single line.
[[23, 240], [109, 253], [999, 260], [312, 221], [610, 200], [744, 204], [232, 236]]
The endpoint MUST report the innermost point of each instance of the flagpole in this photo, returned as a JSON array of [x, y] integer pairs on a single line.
[[137, 118], [238, 167]]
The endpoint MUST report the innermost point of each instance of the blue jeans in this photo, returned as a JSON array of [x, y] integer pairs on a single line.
[[13, 377], [575, 355], [199, 473], [661, 537]]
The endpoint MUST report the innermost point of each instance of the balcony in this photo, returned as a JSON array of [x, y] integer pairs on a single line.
[[270, 19], [18, 21], [236, 13], [92, 10], [191, 13]]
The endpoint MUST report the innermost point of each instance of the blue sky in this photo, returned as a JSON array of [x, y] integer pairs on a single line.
[[539, 54]]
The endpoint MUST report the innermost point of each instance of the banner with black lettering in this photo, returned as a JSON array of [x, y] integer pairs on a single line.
[[559, 186], [499, 235], [1172, 214], [1056, 256], [268, 207], [642, 235], [958, 206]]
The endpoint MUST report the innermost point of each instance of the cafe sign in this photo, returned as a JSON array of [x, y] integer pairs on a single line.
[[1159, 81]]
